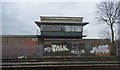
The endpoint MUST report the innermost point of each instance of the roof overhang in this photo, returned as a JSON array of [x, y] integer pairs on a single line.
[[39, 23]]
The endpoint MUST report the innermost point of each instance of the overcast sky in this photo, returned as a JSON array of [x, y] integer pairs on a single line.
[[18, 17]]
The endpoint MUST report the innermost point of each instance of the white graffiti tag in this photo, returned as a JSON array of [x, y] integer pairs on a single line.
[[100, 49], [59, 48], [56, 48], [48, 49], [78, 52]]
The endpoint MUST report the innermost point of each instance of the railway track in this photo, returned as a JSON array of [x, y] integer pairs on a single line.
[[59, 63]]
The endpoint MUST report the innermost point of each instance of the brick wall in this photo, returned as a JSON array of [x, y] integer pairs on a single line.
[[28, 45], [14, 46]]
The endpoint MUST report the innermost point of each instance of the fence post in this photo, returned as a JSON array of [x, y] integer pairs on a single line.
[[118, 54]]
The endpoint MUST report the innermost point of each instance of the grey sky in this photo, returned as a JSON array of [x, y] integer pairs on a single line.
[[18, 17]]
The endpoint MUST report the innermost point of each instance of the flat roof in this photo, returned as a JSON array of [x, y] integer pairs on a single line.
[[59, 18]]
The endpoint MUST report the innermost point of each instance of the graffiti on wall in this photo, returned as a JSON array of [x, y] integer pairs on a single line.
[[78, 52], [56, 48], [100, 49], [97, 49]]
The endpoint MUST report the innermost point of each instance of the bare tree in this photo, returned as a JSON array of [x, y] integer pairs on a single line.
[[108, 12], [105, 34]]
